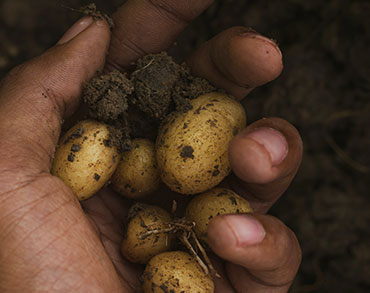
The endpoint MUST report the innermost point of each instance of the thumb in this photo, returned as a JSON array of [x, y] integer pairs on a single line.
[[262, 253], [36, 96]]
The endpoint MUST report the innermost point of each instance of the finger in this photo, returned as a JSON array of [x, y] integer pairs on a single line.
[[38, 95], [237, 60], [149, 26], [264, 255], [265, 157]]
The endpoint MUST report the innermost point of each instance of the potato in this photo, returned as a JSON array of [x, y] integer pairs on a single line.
[[218, 201], [192, 147], [139, 247], [85, 158], [137, 174], [175, 272]]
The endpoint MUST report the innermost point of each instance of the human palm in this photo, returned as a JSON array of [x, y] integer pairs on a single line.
[[50, 243]]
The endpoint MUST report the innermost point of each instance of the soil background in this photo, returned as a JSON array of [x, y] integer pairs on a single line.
[[324, 91]]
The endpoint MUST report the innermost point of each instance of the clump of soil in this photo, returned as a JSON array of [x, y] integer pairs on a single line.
[[107, 96], [90, 10], [136, 105], [161, 85], [153, 80]]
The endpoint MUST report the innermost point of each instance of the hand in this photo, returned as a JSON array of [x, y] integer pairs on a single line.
[[49, 244]]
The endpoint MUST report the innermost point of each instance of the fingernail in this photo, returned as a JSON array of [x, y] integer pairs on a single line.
[[244, 230], [253, 34], [75, 29], [273, 141], [270, 42]]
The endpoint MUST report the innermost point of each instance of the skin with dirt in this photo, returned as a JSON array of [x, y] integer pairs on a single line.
[[323, 90]]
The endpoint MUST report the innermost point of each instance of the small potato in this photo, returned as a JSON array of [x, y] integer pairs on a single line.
[[85, 158], [137, 174], [218, 201], [192, 147], [138, 245], [175, 272]]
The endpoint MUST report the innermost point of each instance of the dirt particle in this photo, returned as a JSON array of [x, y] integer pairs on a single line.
[[233, 200], [164, 288], [96, 177], [215, 173], [142, 224], [213, 122], [197, 111], [76, 134], [187, 152], [222, 193], [71, 157], [177, 185], [75, 148], [90, 10]]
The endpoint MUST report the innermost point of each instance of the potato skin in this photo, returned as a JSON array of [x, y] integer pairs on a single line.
[[144, 217], [176, 272], [137, 174], [85, 159], [192, 147], [218, 201]]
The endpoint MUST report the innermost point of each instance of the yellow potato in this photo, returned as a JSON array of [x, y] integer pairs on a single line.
[[137, 174], [218, 201], [175, 272], [192, 147], [138, 245], [85, 158]]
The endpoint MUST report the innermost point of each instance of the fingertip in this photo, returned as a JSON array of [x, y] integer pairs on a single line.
[[255, 154], [234, 231], [75, 29], [271, 252], [266, 150], [264, 62], [237, 60], [248, 58]]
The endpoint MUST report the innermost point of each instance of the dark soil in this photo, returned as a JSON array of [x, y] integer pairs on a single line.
[[324, 91], [162, 86], [157, 87], [107, 96]]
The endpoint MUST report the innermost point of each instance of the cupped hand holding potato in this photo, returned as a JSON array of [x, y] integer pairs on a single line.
[[49, 243]]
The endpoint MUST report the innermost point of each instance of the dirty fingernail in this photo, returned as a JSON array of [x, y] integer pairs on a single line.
[[273, 141], [244, 230], [269, 42], [75, 29]]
